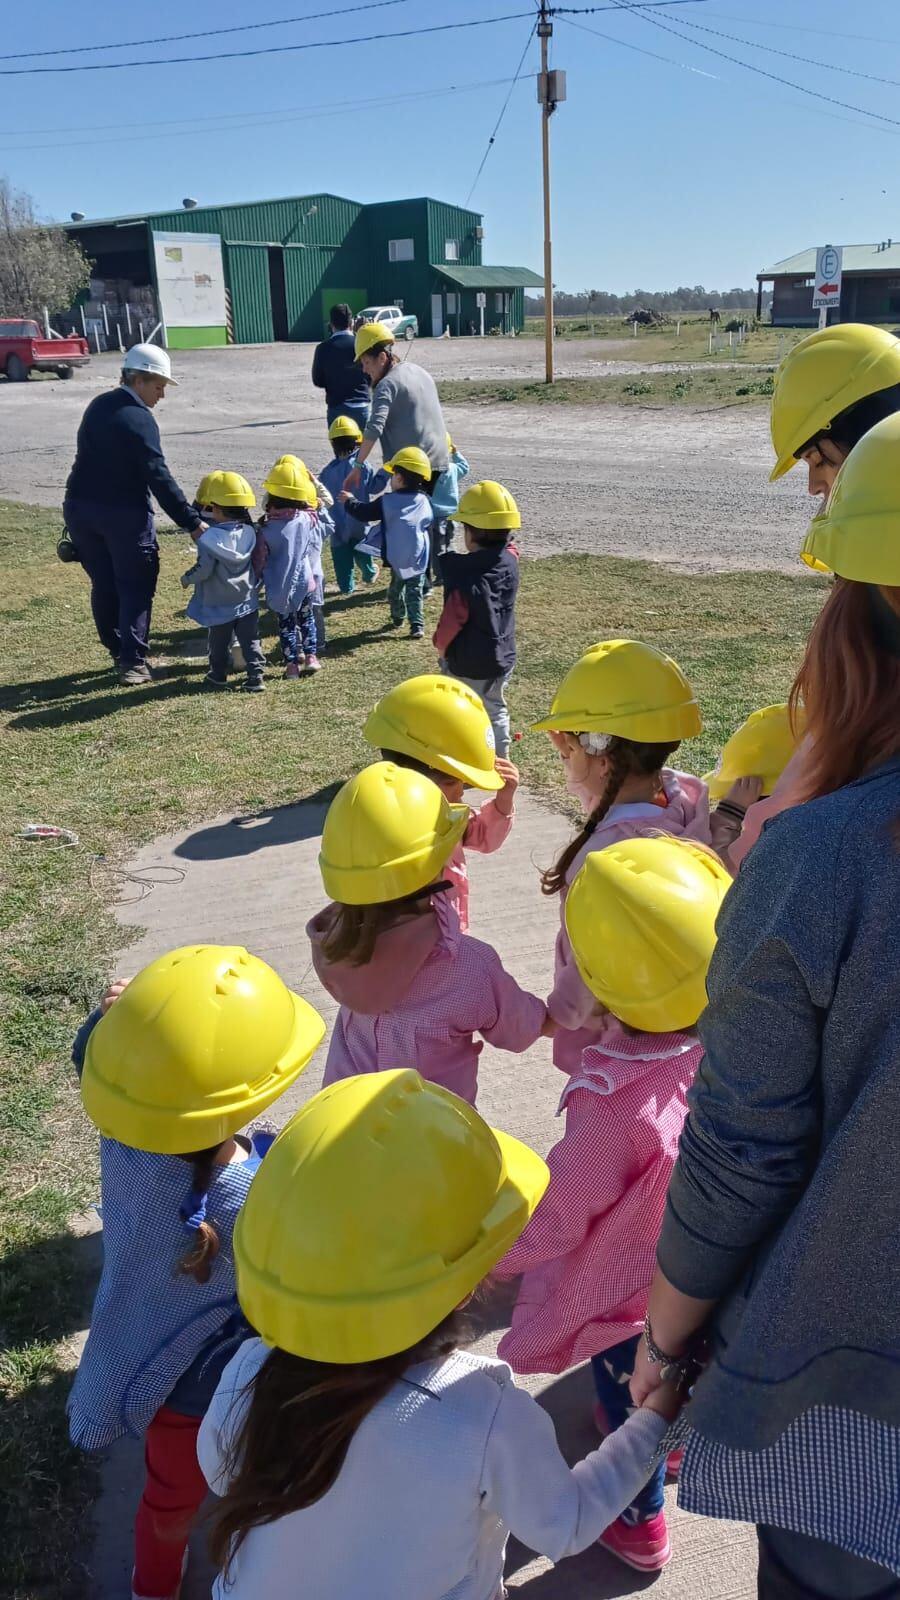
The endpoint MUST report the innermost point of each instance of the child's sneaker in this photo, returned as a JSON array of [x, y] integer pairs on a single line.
[[292, 670], [673, 1465], [313, 664], [215, 682], [254, 686], [642, 1545], [417, 633]]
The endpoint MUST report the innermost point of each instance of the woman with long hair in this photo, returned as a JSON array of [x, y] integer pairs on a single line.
[[779, 1242]]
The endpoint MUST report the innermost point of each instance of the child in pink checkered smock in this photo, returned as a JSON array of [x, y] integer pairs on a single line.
[[411, 986], [640, 916]]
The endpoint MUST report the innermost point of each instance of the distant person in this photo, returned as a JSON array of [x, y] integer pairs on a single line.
[[336, 370], [108, 511], [405, 405]]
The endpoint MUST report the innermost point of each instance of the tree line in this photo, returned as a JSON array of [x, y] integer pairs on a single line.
[[600, 303]]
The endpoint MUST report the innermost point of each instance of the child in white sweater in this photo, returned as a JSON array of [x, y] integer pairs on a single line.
[[358, 1452]]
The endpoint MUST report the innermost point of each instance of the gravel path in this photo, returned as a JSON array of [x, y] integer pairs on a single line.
[[687, 488]]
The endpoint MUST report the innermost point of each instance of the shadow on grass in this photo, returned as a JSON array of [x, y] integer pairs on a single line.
[[45, 1286], [168, 683], [43, 1476], [261, 830]]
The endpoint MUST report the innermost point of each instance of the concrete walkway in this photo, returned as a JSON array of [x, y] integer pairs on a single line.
[[255, 881]]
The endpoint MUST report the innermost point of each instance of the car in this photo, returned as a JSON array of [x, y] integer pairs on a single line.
[[23, 350], [401, 326]]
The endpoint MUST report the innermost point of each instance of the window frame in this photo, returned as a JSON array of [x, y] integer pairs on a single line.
[[393, 253], [447, 251]]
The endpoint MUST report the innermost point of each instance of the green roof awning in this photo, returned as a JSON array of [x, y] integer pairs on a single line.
[[488, 277]]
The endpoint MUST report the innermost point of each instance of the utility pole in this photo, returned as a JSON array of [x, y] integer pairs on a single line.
[[551, 90]]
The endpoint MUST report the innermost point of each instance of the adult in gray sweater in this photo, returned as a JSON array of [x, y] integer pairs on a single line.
[[782, 1233], [405, 405]]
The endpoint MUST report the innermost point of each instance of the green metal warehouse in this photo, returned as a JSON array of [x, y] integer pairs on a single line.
[[269, 270]]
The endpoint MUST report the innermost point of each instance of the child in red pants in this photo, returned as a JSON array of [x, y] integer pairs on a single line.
[[173, 1064]]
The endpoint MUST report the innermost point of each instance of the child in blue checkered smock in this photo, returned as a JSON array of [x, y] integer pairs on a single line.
[[165, 1063]]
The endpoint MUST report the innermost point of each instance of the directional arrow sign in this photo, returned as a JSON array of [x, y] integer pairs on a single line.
[[827, 290]]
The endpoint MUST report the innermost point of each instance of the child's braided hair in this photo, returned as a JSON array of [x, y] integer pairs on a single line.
[[626, 758]]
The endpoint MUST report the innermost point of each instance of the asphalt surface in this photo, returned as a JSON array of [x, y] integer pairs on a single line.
[[671, 484], [264, 870]]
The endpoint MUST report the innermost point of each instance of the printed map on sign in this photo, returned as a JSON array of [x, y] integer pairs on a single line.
[[191, 279]]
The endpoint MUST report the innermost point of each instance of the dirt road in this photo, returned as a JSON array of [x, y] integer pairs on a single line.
[[683, 487]]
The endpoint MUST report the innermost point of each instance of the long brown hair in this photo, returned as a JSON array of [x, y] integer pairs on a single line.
[[204, 1247], [353, 930], [849, 688], [299, 1424], [627, 758]]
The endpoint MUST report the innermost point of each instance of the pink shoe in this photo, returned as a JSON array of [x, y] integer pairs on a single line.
[[644, 1545], [601, 1420], [673, 1465], [292, 670], [313, 664]]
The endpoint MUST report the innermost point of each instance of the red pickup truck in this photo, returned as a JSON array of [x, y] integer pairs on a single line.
[[24, 349]]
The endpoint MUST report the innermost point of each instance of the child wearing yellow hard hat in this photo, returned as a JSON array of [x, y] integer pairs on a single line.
[[410, 985], [751, 767], [476, 635], [641, 917], [616, 719], [225, 600], [173, 1065], [439, 727], [401, 519], [291, 539], [356, 1449], [346, 435]]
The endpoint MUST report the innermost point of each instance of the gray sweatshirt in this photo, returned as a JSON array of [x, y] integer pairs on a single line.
[[406, 410]]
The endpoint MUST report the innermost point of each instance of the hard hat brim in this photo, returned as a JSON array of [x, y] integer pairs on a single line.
[[649, 727]]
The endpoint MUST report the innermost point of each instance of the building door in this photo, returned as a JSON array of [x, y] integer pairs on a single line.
[[247, 271], [278, 291], [437, 315]]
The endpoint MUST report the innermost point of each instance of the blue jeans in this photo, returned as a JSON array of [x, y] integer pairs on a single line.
[[117, 548], [359, 410], [297, 632], [612, 1370]]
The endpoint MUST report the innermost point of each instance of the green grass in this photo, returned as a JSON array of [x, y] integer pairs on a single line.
[[763, 344], [705, 390], [120, 766]]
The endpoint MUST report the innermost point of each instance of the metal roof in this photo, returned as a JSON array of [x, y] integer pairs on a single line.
[[857, 258], [489, 277], [231, 205]]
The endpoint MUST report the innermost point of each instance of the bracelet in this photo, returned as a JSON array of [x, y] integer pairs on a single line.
[[680, 1370]]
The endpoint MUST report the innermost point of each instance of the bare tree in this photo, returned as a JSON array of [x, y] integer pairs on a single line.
[[39, 265]]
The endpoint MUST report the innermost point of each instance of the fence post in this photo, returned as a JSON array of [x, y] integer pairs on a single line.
[[634, 327]]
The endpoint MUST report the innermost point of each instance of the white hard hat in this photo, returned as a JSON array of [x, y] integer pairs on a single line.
[[149, 358]]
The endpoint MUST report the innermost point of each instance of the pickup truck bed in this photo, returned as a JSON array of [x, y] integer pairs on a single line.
[[23, 349]]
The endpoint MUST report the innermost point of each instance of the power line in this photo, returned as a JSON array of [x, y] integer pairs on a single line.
[[265, 50], [206, 33], [496, 129], [761, 72], [795, 27], [791, 55], [193, 128]]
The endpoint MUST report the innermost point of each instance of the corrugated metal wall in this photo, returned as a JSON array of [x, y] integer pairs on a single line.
[[247, 278], [409, 281], [452, 222], [313, 219]]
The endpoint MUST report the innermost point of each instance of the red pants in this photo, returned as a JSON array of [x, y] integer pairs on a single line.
[[174, 1490]]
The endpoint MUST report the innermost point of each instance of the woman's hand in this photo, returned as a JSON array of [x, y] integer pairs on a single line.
[[351, 482], [345, 495], [506, 797], [202, 527], [645, 1379], [666, 1400], [112, 994]]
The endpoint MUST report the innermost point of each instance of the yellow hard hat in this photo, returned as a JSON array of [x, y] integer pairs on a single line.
[[625, 688], [858, 534], [200, 1042], [388, 832], [203, 496], [488, 505], [345, 428], [410, 459], [641, 918], [760, 748], [289, 479], [227, 489], [439, 722], [377, 1211], [824, 376], [371, 334]]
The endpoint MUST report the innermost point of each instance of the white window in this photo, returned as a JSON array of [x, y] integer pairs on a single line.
[[451, 303], [499, 301], [401, 250], [451, 249]]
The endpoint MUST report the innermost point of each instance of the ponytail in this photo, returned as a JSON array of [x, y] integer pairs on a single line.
[[204, 1247], [626, 758], [353, 931], [298, 1425]]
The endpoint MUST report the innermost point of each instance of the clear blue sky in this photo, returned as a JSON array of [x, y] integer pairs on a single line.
[[684, 170]]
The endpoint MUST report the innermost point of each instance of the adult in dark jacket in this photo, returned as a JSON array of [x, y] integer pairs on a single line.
[[783, 1214], [108, 510], [336, 370]]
